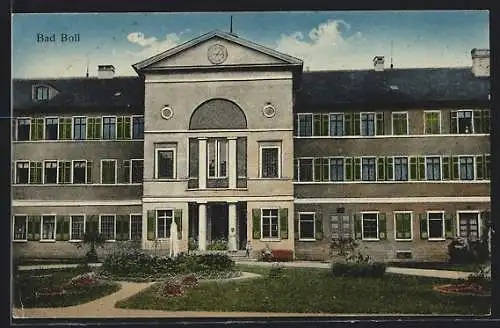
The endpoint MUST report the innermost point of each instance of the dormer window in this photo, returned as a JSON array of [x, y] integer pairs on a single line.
[[41, 93]]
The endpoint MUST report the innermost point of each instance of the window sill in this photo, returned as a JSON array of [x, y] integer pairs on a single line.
[[270, 239], [110, 241], [436, 239], [403, 240], [48, 241], [370, 239], [20, 241], [75, 241], [307, 240]]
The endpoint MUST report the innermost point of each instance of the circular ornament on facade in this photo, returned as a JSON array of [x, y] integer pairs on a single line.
[[217, 54], [269, 111], [167, 112]]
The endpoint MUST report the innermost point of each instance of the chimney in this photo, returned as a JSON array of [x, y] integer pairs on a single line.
[[378, 63], [105, 71], [480, 62]]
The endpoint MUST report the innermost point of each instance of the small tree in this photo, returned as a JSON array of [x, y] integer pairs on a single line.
[[347, 248], [92, 240]]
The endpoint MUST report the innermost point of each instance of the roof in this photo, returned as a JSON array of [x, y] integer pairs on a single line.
[[85, 94], [224, 35], [391, 88]]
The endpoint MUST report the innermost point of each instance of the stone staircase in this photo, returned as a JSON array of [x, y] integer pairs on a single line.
[[239, 255]]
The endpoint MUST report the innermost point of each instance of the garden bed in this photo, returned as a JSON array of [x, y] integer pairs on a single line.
[[463, 289]]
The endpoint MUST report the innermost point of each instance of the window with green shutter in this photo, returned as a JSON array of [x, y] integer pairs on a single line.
[[318, 226], [454, 168], [178, 221], [453, 122], [349, 125], [256, 223], [151, 225], [402, 221], [59, 227], [35, 172], [37, 129], [357, 168], [348, 174], [34, 227], [65, 128], [283, 214], [382, 226], [92, 224], [379, 127], [399, 123], [381, 168], [320, 125], [477, 121], [64, 168], [389, 168], [449, 226], [421, 168], [123, 131], [358, 223], [122, 227], [356, 124], [125, 172], [446, 168], [89, 172], [321, 169], [413, 169], [94, 128], [432, 122], [423, 226]]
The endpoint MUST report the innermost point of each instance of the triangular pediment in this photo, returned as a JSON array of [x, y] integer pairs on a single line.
[[216, 49]]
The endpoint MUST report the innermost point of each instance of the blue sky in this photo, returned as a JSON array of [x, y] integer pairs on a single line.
[[324, 40]]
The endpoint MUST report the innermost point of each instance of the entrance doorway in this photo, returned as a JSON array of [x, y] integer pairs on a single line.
[[218, 221]]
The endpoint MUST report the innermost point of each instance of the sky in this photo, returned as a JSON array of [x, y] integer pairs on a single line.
[[323, 40]]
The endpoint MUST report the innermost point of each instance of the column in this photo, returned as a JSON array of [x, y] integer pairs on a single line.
[[202, 163], [232, 245], [232, 162], [202, 226]]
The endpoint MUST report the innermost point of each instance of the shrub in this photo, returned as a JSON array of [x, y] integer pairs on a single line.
[[190, 280], [217, 245], [192, 245], [277, 271], [282, 255], [464, 251], [375, 269], [170, 288]]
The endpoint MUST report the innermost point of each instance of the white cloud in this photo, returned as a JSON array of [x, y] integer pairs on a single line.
[[152, 46], [138, 37]]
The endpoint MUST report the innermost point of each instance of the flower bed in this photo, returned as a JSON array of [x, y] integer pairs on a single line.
[[463, 289]]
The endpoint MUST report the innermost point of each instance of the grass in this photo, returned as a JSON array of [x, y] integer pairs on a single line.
[[307, 290], [467, 267], [26, 283]]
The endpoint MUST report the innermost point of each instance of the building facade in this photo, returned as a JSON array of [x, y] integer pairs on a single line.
[[233, 141]]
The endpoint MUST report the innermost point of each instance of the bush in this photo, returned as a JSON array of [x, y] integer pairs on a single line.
[[217, 245], [463, 251], [375, 269]]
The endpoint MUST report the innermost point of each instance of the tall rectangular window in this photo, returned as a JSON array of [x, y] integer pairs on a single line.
[[304, 122], [462, 122], [436, 225], [432, 122], [165, 163], [64, 174], [109, 128], [403, 224], [468, 225], [320, 124], [336, 125], [399, 123], [20, 227], [48, 227], [336, 169], [37, 129], [64, 128], [401, 168], [135, 226], [367, 124], [51, 128], [77, 227], [50, 172], [108, 171], [138, 127], [269, 219], [370, 226], [466, 167], [217, 158], [79, 128], [35, 172], [368, 168], [321, 169], [306, 226], [108, 227], [305, 169], [42, 93], [270, 161], [433, 168], [137, 170], [123, 128], [94, 128], [22, 172], [79, 171], [23, 129], [164, 220]]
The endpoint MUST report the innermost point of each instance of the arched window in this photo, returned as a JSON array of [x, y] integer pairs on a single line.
[[218, 114]]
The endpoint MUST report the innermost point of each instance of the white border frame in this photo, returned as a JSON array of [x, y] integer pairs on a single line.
[[17, 127], [41, 228], [407, 123], [395, 226], [312, 125], [130, 170], [440, 123], [276, 146], [394, 170], [57, 171], [156, 222], [217, 143], [116, 127], [343, 124], [14, 228], [71, 226], [363, 226], [132, 126], [314, 226], [101, 171], [361, 168], [262, 238], [114, 216], [130, 225], [479, 221], [471, 119], [474, 167], [440, 167], [73, 128], [45, 128], [73, 171], [15, 172], [443, 238], [174, 173], [361, 124]]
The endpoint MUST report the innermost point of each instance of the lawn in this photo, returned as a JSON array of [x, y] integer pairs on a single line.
[[467, 267], [28, 283], [306, 290]]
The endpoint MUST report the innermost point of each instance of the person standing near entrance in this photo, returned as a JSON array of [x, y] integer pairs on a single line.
[[248, 248]]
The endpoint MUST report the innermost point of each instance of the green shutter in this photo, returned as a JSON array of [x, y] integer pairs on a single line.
[[31, 228], [317, 169], [66, 227], [379, 128], [478, 119], [381, 168], [485, 225], [382, 226], [423, 226], [256, 223], [453, 122], [389, 168], [448, 225], [319, 226], [124, 177], [348, 169], [446, 168], [421, 168], [324, 125], [92, 224], [120, 128], [120, 227], [358, 226], [151, 225], [37, 129], [59, 227], [413, 168], [485, 123], [400, 225], [178, 221], [296, 226], [36, 227], [357, 168], [454, 171], [479, 167], [283, 223], [348, 124], [98, 128], [89, 172], [357, 124], [487, 169]]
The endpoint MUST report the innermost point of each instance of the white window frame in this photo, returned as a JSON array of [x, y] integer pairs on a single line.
[[361, 167], [14, 227], [312, 124], [101, 171], [270, 229], [440, 166], [330, 167], [479, 221], [132, 126], [29, 172], [102, 126], [343, 123], [130, 169], [45, 127], [41, 86], [17, 126], [363, 226], [443, 233], [73, 127], [471, 119], [395, 226], [474, 167], [217, 145], [361, 124], [407, 167], [407, 123], [130, 224], [100, 231], [73, 170], [314, 226], [312, 168], [157, 225], [174, 175], [440, 121], [261, 167], [71, 239], [41, 227], [43, 171]]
